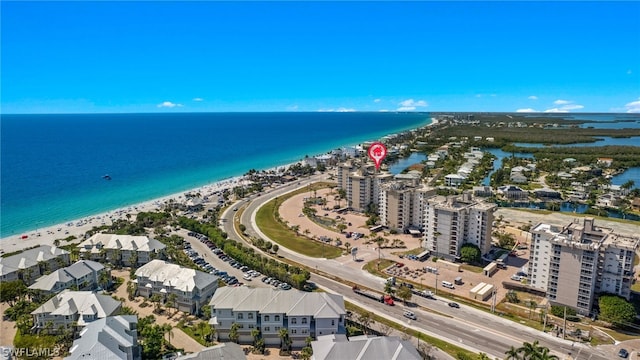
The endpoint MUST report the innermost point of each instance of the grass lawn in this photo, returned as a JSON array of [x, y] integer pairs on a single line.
[[472, 268], [284, 236]]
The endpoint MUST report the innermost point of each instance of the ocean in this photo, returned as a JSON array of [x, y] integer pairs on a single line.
[[52, 166]]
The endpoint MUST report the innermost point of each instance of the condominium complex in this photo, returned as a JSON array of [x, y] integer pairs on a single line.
[[574, 263], [302, 314], [31, 264], [192, 288], [82, 275], [453, 221], [111, 338], [402, 206], [128, 249], [73, 308], [364, 347], [362, 184]]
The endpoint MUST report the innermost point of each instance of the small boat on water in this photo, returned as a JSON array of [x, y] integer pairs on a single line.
[[107, 177]]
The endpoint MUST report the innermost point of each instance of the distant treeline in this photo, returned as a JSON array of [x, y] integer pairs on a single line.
[[504, 135], [623, 156]]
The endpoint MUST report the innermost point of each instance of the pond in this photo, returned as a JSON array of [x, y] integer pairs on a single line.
[[399, 165]]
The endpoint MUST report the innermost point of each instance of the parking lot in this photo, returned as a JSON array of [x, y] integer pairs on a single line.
[[214, 261]]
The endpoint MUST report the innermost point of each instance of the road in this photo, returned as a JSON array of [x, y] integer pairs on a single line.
[[466, 327]]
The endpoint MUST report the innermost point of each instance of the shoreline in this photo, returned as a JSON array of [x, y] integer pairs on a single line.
[[78, 227]]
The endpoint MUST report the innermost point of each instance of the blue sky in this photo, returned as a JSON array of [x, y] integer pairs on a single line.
[[67, 57]]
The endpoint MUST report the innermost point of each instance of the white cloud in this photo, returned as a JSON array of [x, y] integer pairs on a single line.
[[383, 110], [533, 97], [198, 99], [565, 106], [169, 104], [292, 108], [411, 105], [526, 110], [337, 110], [633, 107], [572, 107], [376, 100], [406, 108]]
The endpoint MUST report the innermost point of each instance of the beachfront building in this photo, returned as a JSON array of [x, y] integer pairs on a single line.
[[82, 275], [127, 250], [192, 288], [111, 338], [362, 184], [364, 347], [453, 221], [30, 264], [574, 263], [224, 351], [401, 205], [303, 314], [70, 309]]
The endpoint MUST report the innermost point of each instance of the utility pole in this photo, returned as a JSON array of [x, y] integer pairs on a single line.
[[493, 303], [436, 281], [564, 325], [544, 327]]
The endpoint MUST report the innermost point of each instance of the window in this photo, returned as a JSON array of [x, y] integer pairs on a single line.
[[240, 316], [267, 328], [250, 317], [277, 318], [294, 320], [304, 321], [277, 328], [333, 322], [266, 318], [293, 331]]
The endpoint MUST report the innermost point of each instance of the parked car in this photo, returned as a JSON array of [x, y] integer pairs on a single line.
[[623, 353]]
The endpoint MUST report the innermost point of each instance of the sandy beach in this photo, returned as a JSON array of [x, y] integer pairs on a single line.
[[78, 227]]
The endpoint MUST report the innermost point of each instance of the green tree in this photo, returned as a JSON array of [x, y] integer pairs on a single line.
[[12, 291], [285, 342], [306, 353], [615, 310], [470, 253], [156, 299], [512, 354], [275, 248], [404, 293], [365, 319], [628, 185], [172, 301], [388, 288], [233, 332], [105, 279]]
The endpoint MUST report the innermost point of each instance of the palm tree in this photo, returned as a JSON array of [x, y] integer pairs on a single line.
[[530, 350], [104, 279], [284, 338], [255, 333], [233, 332], [544, 354], [512, 354]]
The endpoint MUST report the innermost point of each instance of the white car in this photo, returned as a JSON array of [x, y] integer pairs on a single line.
[[516, 277], [247, 277]]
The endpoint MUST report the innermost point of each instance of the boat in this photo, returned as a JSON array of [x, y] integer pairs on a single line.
[[107, 177]]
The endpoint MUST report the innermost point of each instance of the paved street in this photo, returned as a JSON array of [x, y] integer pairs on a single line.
[[467, 327]]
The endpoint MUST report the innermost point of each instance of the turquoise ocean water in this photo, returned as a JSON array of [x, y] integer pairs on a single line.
[[52, 165]]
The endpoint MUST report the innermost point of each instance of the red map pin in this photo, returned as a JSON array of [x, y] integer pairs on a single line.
[[377, 152]]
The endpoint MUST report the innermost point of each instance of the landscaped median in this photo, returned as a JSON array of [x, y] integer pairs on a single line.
[[267, 219]]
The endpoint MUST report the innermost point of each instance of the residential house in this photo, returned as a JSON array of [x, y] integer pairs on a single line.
[[482, 191], [73, 308], [635, 204], [513, 192], [193, 288], [339, 347], [303, 314], [605, 161], [223, 351], [33, 263], [110, 338], [83, 275], [454, 180], [547, 193], [608, 200], [518, 178], [127, 249]]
